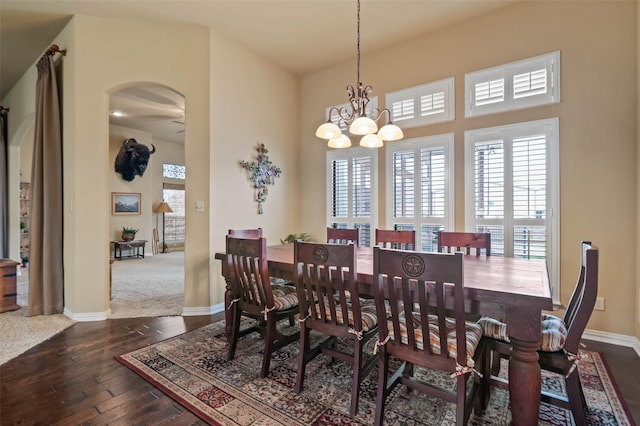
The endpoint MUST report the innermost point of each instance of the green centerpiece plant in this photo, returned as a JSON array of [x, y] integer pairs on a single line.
[[128, 234], [292, 237]]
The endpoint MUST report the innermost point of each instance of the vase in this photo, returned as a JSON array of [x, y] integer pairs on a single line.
[[128, 237]]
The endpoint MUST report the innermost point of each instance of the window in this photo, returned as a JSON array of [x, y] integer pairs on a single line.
[[421, 105], [512, 190], [173, 171], [174, 222], [352, 190], [530, 82], [420, 187]]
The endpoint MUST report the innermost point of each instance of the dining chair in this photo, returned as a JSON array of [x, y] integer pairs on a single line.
[[343, 236], [246, 233], [256, 297], [403, 240], [559, 342], [257, 233], [420, 333], [325, 277], [465, 241]]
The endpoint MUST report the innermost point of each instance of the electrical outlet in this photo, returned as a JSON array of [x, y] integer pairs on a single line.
[[599, 304]]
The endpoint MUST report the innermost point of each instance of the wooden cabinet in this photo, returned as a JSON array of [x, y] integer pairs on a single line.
[[8, 290]]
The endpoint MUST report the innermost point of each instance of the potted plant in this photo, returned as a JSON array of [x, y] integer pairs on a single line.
[[292, 237], [25, 261], [128, 234]]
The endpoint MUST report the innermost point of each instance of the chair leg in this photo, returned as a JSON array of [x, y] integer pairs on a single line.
[[381, 395], [235, 331], [461, 399], [302, 357], [357, 371], [576, 397], [268, 344]]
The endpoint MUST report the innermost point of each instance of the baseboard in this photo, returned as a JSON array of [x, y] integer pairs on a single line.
[[88, 316], [613, 338], [202, 310], [186, 311]]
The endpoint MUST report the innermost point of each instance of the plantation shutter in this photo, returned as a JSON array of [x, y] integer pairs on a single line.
[[420, 196], [529, 196], [511, 184], [421, 105], [351, 191]]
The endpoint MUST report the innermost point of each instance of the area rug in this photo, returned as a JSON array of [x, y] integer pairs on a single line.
[[192, 369]]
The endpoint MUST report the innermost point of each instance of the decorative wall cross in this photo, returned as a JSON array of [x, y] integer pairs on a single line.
[[261, 173]]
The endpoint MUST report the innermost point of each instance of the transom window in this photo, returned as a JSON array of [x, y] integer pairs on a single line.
[[174, 171], [421, 105], [530, 82]]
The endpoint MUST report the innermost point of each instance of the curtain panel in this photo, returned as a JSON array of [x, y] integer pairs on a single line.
[[45, 264], [4, 185]]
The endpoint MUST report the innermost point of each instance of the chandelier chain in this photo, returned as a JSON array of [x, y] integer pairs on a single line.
[[358, 47], [355, 115]]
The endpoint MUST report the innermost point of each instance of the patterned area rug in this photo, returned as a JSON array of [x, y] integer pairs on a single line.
[[192, 369]]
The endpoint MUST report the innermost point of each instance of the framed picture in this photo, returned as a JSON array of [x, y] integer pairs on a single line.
[[125, 203]]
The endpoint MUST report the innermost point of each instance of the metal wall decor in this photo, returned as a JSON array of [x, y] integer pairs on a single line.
[[262, 173]]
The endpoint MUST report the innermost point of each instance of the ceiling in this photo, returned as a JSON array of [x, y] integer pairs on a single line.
[[302, 36]]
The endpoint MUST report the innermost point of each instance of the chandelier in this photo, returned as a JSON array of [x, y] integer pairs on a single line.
[[355, 116]]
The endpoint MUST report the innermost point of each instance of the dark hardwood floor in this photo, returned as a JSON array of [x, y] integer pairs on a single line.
[[73, 378]]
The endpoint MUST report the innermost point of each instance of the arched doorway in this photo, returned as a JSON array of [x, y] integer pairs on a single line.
[[153, 115]]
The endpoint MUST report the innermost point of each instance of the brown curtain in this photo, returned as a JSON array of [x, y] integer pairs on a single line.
[[45, 263], [4, 185]]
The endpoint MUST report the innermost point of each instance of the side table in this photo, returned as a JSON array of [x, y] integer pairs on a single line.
[[135, 247], [8, 291]]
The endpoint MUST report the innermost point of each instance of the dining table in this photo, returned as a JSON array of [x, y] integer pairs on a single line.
[[515, 290]]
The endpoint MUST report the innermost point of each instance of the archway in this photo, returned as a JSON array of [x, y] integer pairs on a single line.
[[153, 115]]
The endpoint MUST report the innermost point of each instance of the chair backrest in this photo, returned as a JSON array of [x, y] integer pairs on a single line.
[[584, 297], [248, 267], [403, 240], [343, 236], [417, 285], [465, 241], [246, 233], [325, 277]]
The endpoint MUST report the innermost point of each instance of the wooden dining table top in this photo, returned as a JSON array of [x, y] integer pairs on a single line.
[[496, 279]]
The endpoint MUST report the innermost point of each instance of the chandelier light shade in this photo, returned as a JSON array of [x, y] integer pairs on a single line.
[[360, 121], [371, 140], [328, 131], [342, 141]]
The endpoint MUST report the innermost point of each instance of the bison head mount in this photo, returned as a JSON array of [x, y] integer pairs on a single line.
[[132, 159]]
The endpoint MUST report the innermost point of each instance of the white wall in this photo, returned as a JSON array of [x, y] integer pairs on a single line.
[[252, 102]]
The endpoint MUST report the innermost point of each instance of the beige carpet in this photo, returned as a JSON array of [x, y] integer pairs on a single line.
[[19, 331], [148, 287]]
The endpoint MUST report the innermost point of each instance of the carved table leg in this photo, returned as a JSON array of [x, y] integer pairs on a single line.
[[523, 327], [524, 382]]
